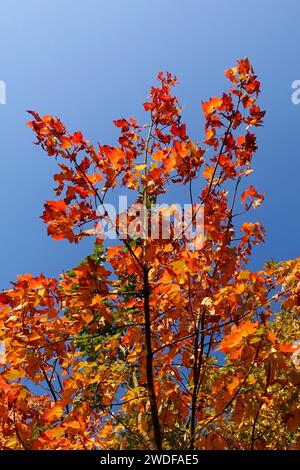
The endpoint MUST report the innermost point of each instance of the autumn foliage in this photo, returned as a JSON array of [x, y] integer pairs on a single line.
[[149, 343]]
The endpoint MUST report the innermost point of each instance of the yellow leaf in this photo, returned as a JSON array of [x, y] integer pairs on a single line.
[[55, 432], [14, 374], [97, 299], [178, 265], [251, 379], [12, 442], [240, 288], [243, 275], [140, 167]]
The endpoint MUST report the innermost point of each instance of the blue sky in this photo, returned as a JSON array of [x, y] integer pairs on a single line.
[[91, 62]]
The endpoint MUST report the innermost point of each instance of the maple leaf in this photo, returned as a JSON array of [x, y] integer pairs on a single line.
[[65, 142], [211, 105], [77, 138], [233, 342], [54, 413], [252, 194], [208, 172]]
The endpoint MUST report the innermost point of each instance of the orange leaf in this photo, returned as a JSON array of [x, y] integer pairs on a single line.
[[77, 138], [65, 142], [114, 154], [54, 413], [208, 172]]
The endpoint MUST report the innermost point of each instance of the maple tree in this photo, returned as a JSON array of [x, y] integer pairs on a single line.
[[150, 343]]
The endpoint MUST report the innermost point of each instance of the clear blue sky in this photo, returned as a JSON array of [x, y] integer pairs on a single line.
[[92, 61]]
